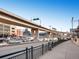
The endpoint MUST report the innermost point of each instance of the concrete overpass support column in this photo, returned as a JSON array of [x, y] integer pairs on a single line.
[[48, 35], [51, 35], [33, 34], [36, 34]]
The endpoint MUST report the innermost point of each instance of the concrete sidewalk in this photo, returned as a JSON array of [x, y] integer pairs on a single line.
[[66, 50]]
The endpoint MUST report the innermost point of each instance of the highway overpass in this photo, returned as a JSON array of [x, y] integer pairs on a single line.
[[12, 19]]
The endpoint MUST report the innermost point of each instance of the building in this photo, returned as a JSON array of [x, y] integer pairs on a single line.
[[7, 30], [4, 30], [27, 33], [75, 31]]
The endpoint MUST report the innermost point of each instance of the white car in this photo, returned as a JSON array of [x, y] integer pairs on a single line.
[[41, 39], [13, 41], [31, 38], [55, 39]]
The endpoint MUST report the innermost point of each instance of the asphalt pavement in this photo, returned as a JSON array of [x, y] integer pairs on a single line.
[[14, 48]]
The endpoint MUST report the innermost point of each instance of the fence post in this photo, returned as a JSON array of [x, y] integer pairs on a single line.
[[49, 46], [31, 52], [26, 53], [52, 44], [42, 49]]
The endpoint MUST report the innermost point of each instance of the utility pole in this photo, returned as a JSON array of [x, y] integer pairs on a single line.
[[72, 26], [72, 22], [78, 22]]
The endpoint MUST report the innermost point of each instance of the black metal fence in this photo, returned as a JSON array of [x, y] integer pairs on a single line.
[[33, 52]]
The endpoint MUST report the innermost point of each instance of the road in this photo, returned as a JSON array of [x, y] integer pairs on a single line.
[[66, 50], [10, 49]]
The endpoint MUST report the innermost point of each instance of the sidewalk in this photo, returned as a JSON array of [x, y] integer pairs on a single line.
[[66, 50]]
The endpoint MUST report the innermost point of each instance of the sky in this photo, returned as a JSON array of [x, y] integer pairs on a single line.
[[54, 13]]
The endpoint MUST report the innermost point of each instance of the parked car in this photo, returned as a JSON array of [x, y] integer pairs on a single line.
[[30, 38], [55, 39], [14, 41]]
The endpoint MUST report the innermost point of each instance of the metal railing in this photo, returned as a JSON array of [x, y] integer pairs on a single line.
[[31, 53]]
